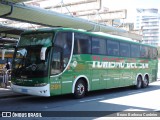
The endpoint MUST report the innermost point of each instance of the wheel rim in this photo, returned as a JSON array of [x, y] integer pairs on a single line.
[[80, 89], [139, 83], [145, 81]]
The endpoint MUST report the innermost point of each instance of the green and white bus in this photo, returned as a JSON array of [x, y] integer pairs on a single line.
[[67, 61]]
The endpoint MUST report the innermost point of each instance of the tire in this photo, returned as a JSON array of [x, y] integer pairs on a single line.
[[145, 82], [80, 89], [139, 83]]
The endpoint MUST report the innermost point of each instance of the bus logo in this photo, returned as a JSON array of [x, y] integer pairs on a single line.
[[98, 64]]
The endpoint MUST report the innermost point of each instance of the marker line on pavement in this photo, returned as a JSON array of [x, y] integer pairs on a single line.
[[135, 92], [92, 99]]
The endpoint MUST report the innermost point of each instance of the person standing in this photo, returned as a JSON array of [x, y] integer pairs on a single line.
[[6, 73], [8, 66]]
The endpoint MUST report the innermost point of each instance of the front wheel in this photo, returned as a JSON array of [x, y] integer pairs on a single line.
[[80, 89]]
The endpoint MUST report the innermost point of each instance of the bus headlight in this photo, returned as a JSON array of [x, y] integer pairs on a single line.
[[40, 84]]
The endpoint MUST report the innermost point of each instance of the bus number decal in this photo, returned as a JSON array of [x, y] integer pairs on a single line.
[[55, 86]]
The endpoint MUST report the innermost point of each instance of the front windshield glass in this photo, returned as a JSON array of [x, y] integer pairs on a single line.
[[44, 39], [27, 61]]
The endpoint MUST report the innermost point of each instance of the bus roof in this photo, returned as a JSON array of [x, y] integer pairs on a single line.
[[100, 34]]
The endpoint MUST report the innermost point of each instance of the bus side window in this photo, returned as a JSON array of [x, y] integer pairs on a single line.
[[82, 44], [124, 49], [152, 53], [113, 48], [99, 46], [155, 53], [135, 51], [144, 52]]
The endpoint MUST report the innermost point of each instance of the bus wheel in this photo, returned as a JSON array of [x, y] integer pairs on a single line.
[[145, 82], [80, 89], [139, 82]]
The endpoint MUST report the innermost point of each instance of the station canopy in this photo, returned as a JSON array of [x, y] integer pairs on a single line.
[[17, 11], [9, 36]]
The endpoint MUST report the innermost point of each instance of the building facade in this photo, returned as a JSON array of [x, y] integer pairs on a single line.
[[148, 20]]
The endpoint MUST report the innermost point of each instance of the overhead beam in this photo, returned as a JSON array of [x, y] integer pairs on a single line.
[[9, 35], [50, 18], [126, 34], [7, 42], [105, 15], [80, 6], [16, 1], [10, 32], [53, 19]]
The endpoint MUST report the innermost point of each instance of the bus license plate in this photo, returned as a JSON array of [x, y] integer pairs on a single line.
[[24, 90]]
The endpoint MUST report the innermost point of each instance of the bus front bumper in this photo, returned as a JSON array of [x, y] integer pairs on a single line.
[[38, 91]]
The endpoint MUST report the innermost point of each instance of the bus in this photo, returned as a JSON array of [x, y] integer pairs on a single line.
[[68, 61]]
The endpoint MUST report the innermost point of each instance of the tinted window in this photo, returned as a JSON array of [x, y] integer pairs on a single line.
[[152, 53], [113, 48], [56, 66], [155, 53], [64, 42], [44, 39], [99, 46], [124, 49], [135, 51], [144, 52], [82, 44]]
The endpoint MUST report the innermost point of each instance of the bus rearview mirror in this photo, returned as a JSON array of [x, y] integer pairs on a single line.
[[43, 53]]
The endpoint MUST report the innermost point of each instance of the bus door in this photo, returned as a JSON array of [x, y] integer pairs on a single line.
[[62, 80], [55, 78], [60, 83]]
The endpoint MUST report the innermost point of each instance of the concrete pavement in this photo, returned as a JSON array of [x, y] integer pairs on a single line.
[[8, 93]]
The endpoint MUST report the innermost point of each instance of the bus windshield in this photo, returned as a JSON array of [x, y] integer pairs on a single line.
[[44, 39], [27, 61]]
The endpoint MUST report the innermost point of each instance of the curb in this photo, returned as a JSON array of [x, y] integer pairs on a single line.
[[9, 93], [10, 96]]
